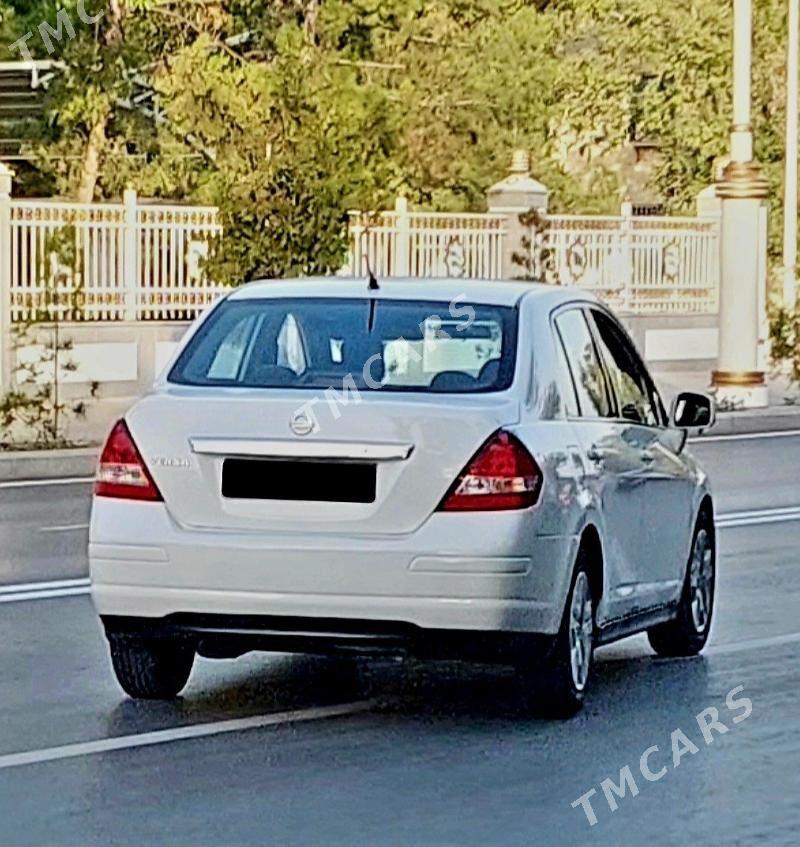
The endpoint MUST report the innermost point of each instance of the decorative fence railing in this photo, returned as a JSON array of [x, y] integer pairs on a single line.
[[642, 265], [427, 244], [109, 261], [646, 265], [140, 261]]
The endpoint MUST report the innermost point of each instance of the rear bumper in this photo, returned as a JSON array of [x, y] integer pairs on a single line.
[[228, 636], [457, 572]]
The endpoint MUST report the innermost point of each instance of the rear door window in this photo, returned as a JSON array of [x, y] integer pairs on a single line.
[[387, 345], [637, 399], [585, 369]]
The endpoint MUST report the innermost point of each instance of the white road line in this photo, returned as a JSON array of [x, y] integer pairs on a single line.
[[753, 644], [713, 649], [66, 528], [745, 436], [758, 518], [43, 595], [183, 733], [44, 590], [16, 588], [44, 483], [746, 513]]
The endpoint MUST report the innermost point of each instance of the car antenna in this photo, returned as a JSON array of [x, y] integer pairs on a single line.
[[372, 285], [373, 280]]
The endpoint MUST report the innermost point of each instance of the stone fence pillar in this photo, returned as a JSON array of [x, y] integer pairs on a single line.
[[513, 196]]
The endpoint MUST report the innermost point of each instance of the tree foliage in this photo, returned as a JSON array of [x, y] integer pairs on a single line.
[[287, 114], [785, 346]]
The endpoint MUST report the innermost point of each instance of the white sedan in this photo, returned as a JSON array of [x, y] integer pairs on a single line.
[[444, 469]]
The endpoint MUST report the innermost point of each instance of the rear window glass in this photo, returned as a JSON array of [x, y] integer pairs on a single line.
[[386, 345]]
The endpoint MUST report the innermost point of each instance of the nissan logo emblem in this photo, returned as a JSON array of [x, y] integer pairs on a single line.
[[302, 424]]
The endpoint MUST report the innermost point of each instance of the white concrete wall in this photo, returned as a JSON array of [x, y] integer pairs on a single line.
[[125, 358], [676, 343]]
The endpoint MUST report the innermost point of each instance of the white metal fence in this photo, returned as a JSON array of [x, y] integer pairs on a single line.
[[140, 261], [427, 244], [645, 265], [109, 261], [642, 265]]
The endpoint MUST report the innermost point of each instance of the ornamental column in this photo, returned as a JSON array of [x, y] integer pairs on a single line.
[[743, 190], [790, 190], [518, 194], [6, 179]]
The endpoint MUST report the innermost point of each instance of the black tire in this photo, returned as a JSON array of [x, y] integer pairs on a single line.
[[551, 688], [151, 668], [683, 635]]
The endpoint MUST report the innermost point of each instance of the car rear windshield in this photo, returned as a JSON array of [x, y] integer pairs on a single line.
[[386, 345]]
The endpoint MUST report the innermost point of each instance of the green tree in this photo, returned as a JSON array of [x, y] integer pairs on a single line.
[[287, 114]]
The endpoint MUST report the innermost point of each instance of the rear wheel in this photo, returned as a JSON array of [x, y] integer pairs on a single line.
[[151, 668], [687, 633], [556, 686]]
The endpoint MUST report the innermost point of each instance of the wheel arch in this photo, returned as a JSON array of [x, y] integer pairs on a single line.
[[591, 546], [706, 507]]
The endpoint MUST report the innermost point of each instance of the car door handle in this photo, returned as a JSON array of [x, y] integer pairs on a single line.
[[648, 457]]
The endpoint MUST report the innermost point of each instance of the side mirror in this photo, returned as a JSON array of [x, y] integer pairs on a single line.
[[693, 411]]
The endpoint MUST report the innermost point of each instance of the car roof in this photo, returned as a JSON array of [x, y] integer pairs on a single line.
[[488, 292]]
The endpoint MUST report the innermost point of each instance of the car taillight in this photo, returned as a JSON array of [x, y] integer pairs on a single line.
[[502, 475], [122, 471]]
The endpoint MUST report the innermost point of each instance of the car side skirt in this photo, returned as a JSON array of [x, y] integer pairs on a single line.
[[632, 624]]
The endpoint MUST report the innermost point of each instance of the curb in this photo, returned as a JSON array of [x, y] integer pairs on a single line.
[[26, 465], [774, 419]]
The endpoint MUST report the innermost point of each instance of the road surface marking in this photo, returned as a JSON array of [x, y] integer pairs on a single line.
[[713, 649], [66, 528], [43, 595], [16, 588], [183, 733], [44, 590], [745, 436], [758, 517], [44, 483], [753, 644], [729, 648]]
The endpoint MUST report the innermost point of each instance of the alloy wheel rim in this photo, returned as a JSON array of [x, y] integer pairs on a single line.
[[701, 581], [581, 631]]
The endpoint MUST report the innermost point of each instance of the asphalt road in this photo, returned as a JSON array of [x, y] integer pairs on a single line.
[[440, 755]]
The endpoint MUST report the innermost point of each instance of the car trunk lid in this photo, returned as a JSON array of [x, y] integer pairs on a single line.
[[228, 459]]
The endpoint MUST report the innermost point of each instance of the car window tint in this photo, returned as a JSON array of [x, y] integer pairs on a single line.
[[629, 381], [587, 374], [227, 358], [386, 345]]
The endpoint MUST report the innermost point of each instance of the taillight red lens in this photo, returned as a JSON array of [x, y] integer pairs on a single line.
[[502, 475], [122, 472]]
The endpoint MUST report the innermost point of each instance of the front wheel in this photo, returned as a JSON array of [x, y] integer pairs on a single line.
[[151, 668], [558, 684], [687, 633]]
